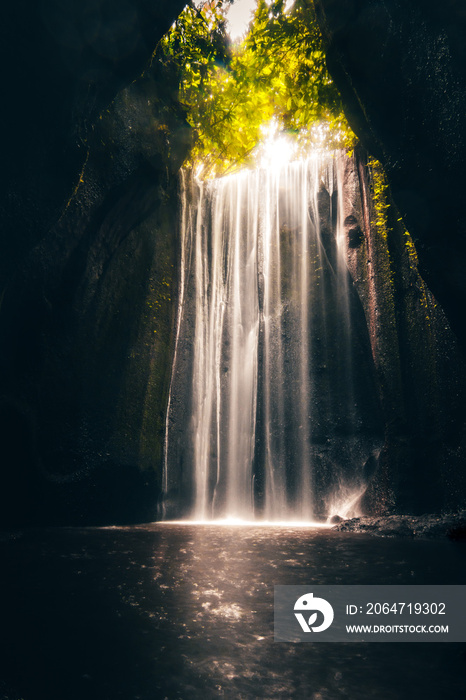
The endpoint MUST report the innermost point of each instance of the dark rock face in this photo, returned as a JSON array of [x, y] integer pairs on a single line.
[[401, 69], [88, 272], [420, 370], [63, 62]]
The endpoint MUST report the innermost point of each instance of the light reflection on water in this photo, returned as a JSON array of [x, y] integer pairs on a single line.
[[229, 522], [186, 611]]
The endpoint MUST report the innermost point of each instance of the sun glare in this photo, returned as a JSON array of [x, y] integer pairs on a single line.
[[276, 149], [277, 152], [239, 15]]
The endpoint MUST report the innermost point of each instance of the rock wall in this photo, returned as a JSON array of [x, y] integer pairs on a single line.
[[421, 372], [401, 70], [88, 271]]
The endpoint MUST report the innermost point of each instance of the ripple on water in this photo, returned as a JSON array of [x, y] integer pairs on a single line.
[[192, 616]]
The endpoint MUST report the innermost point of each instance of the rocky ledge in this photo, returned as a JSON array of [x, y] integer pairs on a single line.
[[452, 526]]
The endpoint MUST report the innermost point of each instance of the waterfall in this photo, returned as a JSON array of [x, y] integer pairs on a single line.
[[264, 420]]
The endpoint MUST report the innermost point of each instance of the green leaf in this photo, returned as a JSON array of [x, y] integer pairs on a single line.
[[229, 92]]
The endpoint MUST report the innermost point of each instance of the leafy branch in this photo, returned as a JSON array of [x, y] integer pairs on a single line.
[[230, 91]]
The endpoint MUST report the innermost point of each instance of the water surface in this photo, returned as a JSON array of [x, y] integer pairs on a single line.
[[186, 611]]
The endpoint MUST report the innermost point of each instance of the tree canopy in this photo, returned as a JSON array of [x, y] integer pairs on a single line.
[[230, 91]]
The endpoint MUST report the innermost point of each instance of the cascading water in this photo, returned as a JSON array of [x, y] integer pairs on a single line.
[[272, 410]]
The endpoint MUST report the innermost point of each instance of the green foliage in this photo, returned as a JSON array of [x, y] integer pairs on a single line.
[[379, 187], [230, 92]]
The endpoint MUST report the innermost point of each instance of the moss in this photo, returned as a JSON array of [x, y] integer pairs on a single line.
[[380, 269], [379, 188]]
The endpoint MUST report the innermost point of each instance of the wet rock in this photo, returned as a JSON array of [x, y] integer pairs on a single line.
[[336, 520], [452, 526]]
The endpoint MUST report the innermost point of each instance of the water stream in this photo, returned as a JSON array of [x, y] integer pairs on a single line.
[[272, 413]]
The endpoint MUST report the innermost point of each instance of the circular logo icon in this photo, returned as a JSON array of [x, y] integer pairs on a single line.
[[308, 604]]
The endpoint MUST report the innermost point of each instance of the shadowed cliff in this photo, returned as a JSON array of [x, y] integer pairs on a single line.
[[401, 70], [88, 269]]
